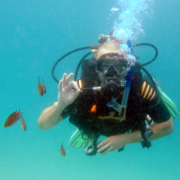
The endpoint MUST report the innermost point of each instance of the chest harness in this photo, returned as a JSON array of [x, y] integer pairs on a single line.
[[146, 132]]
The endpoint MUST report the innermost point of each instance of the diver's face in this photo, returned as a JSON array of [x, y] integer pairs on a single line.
[[106, 79], [111, 70]]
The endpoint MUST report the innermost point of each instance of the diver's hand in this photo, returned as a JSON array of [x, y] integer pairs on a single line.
[[112, 143], [68, 91]]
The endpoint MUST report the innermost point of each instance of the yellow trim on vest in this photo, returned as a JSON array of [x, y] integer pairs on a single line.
[[153, 95], [150, 93], [80, 84], [109, 117], [94, 50], [143, 87], [147, 89]]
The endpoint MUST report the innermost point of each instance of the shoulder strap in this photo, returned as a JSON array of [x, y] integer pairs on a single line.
[[88, 73]]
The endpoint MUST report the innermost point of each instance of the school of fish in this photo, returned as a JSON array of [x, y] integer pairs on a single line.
[[17, 115]]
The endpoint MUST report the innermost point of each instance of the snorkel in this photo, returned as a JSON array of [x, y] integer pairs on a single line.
[[123, 106], [127, 52]]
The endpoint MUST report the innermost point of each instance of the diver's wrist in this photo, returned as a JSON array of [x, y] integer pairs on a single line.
[[133, 137], [59, 105], [127, 139]]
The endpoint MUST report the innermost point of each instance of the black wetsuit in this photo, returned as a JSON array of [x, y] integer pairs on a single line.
[[105, 120]]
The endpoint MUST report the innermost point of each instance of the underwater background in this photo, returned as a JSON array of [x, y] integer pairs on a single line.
[[33, 35]]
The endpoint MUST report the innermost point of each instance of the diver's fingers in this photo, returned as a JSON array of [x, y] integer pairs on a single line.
[[76, 93], [63, 80], [103, 143], [104, 148], [109, 149], [68, 78], [73, 85], [64, 77], [60, 86]]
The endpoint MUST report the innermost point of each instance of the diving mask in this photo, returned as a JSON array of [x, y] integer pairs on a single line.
[[112, 70], [112, 65]]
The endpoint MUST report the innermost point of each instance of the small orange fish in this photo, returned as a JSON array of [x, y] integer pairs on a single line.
[[12, 119], [23, 124], [43, 87], [63, 153], [40, 89]]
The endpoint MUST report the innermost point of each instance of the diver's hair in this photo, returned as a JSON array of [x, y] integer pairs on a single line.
[[102, 39], [109, 44], [112, 39]]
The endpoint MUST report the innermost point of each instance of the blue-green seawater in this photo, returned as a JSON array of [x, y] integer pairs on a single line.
[[33, 35]]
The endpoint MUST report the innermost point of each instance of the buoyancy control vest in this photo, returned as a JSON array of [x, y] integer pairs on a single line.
[[89, 101]]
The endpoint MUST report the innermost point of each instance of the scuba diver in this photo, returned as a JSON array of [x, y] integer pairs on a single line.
[[112, 98]]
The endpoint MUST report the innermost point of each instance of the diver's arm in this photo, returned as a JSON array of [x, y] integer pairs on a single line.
[[50, 117], [159, 130], [118, 141], [68, 92]]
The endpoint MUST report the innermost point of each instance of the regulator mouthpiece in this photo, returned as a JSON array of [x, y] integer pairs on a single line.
[[112, 89]]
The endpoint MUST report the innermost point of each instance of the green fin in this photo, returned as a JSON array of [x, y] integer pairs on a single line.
[[169, 103], [76, 140]]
